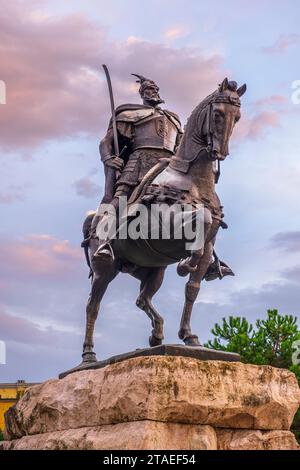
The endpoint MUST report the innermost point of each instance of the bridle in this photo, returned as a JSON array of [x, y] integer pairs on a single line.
[[209, 148], [203, 138], [222, 98]]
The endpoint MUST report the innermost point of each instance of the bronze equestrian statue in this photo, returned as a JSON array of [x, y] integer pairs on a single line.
[[161, 165]]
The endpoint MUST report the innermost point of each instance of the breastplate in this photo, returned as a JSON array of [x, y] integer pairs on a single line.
[[156, 131]]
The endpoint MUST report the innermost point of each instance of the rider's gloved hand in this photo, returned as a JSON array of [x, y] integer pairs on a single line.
[[115, 162]]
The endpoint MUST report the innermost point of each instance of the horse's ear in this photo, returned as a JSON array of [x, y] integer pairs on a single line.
[[240, 91], [224, 85]]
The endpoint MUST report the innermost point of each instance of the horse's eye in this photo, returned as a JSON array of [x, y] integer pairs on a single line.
[[218, 115]]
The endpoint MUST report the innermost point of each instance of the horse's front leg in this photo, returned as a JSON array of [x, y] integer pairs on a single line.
[[192, 288], [103, 274]]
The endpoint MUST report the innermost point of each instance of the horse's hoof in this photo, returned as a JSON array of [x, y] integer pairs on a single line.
[[192, 340], [184, 268], [88, 357], [154, 341]]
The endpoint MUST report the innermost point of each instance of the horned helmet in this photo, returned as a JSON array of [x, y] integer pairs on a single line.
[[148, 90]]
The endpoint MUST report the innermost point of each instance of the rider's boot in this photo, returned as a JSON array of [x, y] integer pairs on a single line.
[[217, 269], [105, 251]]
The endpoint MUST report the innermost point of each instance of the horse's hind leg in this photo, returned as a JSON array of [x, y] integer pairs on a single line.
[[101, 279], [152, 279], [192, 288]]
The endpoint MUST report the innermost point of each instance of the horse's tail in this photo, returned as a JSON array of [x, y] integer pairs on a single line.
[[86, 230], [87, 224]]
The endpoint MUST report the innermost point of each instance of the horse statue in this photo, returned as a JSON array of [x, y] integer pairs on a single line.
[[189, 177]]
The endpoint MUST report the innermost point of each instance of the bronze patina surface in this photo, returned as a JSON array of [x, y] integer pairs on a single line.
[[154, 162]]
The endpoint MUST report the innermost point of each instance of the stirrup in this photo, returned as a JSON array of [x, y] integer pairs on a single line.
[[105, 250], [217, 270]]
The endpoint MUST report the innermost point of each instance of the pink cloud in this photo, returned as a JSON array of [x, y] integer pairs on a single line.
[[38, 256], [12, 194], [14, 328], [262, 116], [273, 100], [87, 188], [42, 277], [175, 32], [56, 88], [253, 127], [262, 121], [25, 331], [283, 43], [51, 91], [55, 85], [288, 241]]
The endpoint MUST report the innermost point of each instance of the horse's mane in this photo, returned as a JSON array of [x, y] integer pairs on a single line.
[[189, 145], [203, 104]]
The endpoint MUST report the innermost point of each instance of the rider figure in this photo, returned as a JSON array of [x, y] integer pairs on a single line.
[[146, 133], [149, 133]]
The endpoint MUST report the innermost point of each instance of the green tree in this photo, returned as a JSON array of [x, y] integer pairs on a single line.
[[1, 436], [270, 342]]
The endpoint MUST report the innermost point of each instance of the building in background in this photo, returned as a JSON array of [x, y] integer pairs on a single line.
[[10, 393]]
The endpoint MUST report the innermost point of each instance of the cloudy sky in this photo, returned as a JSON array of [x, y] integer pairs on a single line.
[[56, 111]]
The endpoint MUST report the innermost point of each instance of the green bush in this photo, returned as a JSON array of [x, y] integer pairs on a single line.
[[270, 342], [1, 436]]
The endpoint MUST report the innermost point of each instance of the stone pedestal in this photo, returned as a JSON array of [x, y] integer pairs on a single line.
[[159, 402]]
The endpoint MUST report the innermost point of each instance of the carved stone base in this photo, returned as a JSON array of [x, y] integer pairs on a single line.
[[149, 435], [144, 435], [159, 402]]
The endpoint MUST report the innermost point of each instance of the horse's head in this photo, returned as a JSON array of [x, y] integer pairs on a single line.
[[222, 113]]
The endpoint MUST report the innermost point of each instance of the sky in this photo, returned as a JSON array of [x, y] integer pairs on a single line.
[[56, 112]]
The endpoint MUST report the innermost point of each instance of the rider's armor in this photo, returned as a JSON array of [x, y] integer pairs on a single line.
[[156, 131], [152, 134]]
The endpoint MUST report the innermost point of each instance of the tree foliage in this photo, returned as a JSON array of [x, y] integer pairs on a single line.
[[270, 342]]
